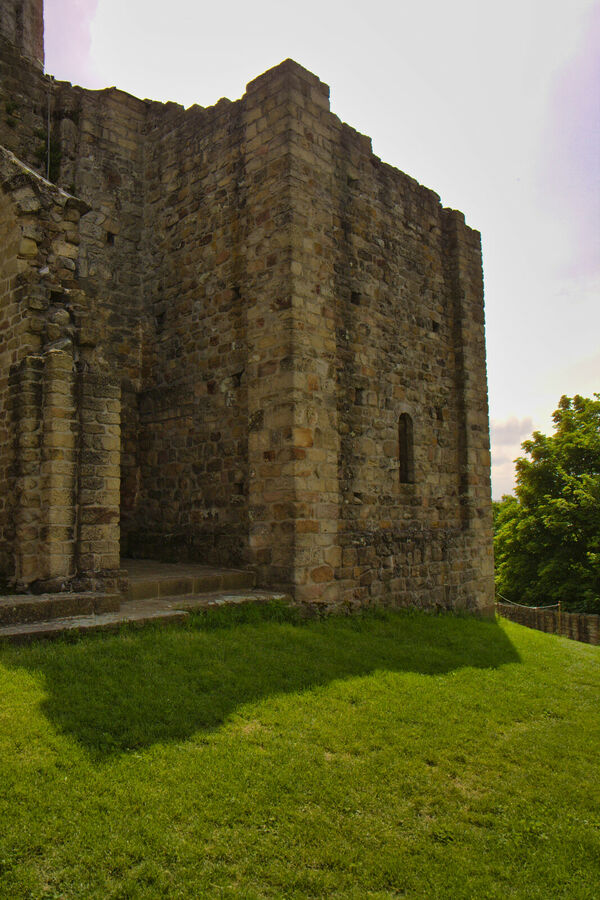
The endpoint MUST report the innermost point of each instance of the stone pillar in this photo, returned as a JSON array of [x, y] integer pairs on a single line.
[[99, 475], [58, 467], [25, 401], [43, 412], [315, 436], [293, 442], [464, 280], [67, 448], [270, 381]]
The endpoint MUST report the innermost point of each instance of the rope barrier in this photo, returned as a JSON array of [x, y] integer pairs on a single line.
[[524, 605]]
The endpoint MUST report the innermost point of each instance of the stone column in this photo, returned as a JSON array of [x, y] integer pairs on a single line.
[[99, 403], [270, 380], [293, 441], [58, 467], [315, 436], [25, 401], [464, 279]]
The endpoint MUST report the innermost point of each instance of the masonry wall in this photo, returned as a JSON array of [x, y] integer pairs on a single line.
[[271, 301], [22, 24], [193, 403], [221, 441], [402, 325], [278, 441], [24, 92], [307, 447], [10, 324], [396, 356], [100, 136], [58, 499], [385, 319], [95, 150], [39, 227]]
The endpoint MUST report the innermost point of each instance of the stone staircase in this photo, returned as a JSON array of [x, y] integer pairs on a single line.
[[156, 592]]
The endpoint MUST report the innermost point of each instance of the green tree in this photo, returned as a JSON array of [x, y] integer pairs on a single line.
[[547, 538]]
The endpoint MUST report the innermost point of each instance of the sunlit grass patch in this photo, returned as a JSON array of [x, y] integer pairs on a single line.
[[248, 754]]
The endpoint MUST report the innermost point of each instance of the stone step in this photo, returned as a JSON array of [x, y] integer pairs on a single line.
[[207, 599], [174, 608], [149, 580], [56, 628], [20, 609]]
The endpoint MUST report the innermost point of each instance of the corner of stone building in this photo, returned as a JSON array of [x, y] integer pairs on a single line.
[[464, 278], [22, 24], [43, 468], [294, 75], [293, 444]]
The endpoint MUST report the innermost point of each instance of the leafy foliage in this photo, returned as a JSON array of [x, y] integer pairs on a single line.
[[547, 538]]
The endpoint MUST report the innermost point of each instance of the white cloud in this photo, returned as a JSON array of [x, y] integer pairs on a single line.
[[511, 431]]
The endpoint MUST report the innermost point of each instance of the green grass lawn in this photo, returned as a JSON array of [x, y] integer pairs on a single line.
[[246, 755]]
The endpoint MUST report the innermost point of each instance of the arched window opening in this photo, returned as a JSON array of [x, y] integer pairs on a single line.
[[406, 453]]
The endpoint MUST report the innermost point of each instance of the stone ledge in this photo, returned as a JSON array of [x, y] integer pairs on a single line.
[[135, 612], [21, 609]]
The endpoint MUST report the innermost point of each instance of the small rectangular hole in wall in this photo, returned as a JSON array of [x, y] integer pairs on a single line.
[[110, 238], [355, 298], [160, 322], [435, 326]]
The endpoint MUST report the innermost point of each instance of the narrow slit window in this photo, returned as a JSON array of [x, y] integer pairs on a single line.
[[406, 453]]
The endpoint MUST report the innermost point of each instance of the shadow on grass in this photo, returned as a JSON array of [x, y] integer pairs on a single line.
[[128, 691]]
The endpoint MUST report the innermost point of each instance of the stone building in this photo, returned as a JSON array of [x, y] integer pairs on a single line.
[[232, 335]]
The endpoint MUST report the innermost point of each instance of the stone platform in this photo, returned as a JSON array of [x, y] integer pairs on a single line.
[[156, 592]]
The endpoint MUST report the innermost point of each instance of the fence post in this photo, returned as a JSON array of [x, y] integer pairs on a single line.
[[560, 617]]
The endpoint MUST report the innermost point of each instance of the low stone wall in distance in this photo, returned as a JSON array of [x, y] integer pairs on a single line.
[[583, 627]]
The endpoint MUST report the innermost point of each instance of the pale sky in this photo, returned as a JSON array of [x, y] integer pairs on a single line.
[[495, 106]]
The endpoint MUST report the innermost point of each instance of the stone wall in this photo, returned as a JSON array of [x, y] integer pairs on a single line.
[[384, 318], [24, 94], [91, 143], [294, 336], [193, 406], [48, 359], [10, 325], [39, 242], [22, 25], [100, 137]]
